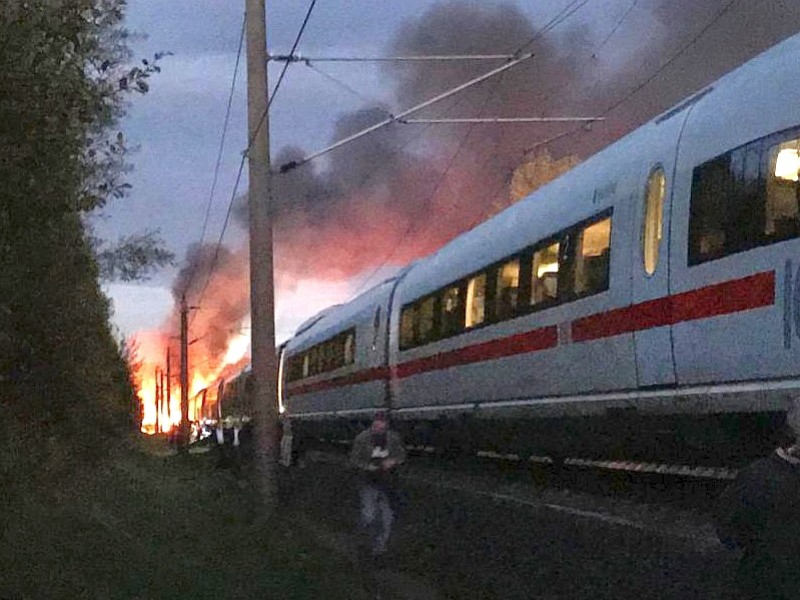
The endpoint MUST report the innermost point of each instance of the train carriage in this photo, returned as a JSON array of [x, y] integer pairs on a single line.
[[646, 303], [336, 367]]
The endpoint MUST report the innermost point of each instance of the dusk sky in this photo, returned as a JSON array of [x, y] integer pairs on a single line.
[[177, 126]]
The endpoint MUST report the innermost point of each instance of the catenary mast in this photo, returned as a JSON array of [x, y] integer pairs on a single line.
[[262, 294]]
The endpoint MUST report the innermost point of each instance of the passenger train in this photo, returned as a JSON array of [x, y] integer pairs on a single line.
[[645, 305]]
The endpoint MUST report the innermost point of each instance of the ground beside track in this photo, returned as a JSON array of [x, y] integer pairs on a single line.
[[471, 538], [145, 524]]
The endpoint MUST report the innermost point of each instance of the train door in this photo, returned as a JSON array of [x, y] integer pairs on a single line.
[[655, 365]]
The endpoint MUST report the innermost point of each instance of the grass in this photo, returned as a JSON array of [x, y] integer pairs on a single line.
[[143, 525]]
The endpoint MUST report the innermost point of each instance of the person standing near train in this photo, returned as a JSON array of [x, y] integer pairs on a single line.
[[376, 453], [759, 515]]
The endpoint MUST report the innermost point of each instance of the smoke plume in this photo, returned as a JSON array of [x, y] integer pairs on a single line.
[[404, 190]]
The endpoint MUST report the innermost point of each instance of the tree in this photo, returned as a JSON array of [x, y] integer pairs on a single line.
[[66, 76]]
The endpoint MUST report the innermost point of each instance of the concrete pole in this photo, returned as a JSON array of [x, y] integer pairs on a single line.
[[157, 401], [169, 387], [184, 427], [262, 295]]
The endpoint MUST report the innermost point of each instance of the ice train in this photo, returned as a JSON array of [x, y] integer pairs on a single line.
[[646, 304]]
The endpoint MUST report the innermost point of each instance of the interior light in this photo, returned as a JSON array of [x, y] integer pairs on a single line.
[[787, 164]]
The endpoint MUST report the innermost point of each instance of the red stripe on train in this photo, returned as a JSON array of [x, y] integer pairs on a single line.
[[747, 293], [351, 379], [521, 343]]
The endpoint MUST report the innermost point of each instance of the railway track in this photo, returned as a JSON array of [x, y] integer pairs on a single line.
[[668, 505]]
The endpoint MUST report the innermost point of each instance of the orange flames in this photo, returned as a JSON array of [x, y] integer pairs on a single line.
[[205, 373]]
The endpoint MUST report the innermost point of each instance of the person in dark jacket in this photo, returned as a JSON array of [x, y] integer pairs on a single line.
[[759, 514], [376, 453]]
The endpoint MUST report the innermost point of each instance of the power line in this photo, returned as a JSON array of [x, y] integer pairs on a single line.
[[433, 58], [502, 120], [647, 81], [616, 26], [224, 131], [560, 17], [344, 86], [245, 153], [294, 164], [564, 14]]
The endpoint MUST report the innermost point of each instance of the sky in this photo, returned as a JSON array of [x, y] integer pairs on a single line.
[[605, 48]]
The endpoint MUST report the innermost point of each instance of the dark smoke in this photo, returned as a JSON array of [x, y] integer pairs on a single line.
[[225, 301], [403, 191]]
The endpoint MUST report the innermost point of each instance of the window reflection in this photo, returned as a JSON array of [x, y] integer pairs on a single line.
[[507, 292], [544, 276], [476, 300]]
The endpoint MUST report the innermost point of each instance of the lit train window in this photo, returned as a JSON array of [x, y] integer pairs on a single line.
[[653, 218], [590, 259], [407, 327], [476, 300], [424, 318], [507, 290], [452, 311], [544, 274], [745, 198]]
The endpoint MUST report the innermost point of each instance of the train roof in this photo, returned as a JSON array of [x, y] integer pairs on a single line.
[[338, 318]]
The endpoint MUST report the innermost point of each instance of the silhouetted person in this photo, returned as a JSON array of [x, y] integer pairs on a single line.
[[376, 453]]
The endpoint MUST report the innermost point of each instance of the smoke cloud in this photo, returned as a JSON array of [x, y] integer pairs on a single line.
[[404, 190]]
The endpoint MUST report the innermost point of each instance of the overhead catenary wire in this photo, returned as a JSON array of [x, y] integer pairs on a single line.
[[224, 130], [717, 16], [344, 86], [502, 120], [388, 121], [432, 58], [363, 98], [247, 150], [616, 27], [559, 18]]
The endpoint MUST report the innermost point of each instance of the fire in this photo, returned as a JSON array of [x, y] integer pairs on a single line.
[[205, 372]]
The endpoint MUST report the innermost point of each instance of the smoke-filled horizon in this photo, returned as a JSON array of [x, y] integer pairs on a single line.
[[405, 190]]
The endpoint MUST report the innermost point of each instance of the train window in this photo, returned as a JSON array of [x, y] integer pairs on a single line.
[[507, 290], [783, 191], [313, 365], [476, 300], [407, 327], [452, 311], [544, 274], [653, 218], [746, 198], [424, 318], [295, 367], [376, 323], [306, 368], [349, 348], [589, 260]]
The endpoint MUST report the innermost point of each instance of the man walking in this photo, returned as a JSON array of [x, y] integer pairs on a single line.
[[376, 453]]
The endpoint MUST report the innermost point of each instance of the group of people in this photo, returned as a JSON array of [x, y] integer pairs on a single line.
[[758, 515]]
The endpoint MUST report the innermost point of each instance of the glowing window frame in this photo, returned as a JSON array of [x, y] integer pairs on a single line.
[[653, 219]]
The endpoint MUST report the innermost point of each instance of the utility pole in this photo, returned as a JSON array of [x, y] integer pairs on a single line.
[[184, 426], [157, 405], [262, 294], [169, 388], [161, 393]]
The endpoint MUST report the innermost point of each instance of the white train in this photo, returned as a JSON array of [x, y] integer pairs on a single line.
[[646, 303]]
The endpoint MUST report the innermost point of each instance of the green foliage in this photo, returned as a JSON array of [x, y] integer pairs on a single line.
[[65, 76], [134, 257]]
